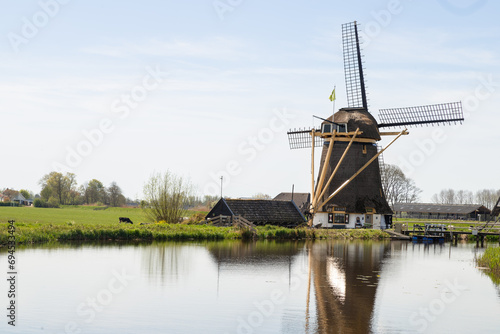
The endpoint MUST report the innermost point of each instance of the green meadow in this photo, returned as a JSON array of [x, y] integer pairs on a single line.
[[71, 214]]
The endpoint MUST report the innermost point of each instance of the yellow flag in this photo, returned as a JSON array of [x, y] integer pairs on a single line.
[[332, 96]]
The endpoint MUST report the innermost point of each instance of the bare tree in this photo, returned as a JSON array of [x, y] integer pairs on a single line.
[[449, 196], [261, 196], [445, 196], [166, 196], [460, 197], [487, 197], [435, 199], [410, 192], [397, 187], [464, 197]]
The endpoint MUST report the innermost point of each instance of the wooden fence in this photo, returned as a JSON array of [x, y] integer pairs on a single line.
[[237, 221]]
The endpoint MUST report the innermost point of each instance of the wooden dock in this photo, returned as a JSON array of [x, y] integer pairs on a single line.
[[432, 233], [397, 236]]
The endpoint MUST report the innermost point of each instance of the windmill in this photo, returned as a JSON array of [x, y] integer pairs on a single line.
[[348, 192]]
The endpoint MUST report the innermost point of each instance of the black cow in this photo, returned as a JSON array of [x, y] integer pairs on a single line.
[[125, 220]]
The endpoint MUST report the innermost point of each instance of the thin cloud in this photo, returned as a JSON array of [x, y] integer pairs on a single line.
[[219, 48]]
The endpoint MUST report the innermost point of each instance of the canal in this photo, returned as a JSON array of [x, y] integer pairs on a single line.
[[252, 287]]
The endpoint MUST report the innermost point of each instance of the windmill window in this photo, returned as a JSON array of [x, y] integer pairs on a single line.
[[342, 127], [328, 127]]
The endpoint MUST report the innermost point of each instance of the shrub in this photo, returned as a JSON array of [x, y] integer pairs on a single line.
[[39, 203], [53, 203], [167, 196]]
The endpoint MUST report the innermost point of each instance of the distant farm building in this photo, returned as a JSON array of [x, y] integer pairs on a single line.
[[15, 198], [259, 212], [441, 211], [301, 200]]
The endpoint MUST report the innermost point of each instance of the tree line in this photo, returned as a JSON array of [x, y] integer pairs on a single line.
[[62, 189], [399, 188], [486, 197]]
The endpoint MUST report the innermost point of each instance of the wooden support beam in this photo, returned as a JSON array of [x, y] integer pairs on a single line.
[[325, 164], [392, 133], [312, 163], [361, 169], [358, 140], [336, 169]]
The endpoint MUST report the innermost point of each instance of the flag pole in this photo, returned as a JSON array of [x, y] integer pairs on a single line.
[[333, 97], [334, 101]]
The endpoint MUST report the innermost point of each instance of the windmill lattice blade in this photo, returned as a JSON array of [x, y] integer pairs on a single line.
[[302, 139], [353, 68], [446, 113]]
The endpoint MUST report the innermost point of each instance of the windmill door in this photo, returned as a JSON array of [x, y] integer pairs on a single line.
[[369, 220]]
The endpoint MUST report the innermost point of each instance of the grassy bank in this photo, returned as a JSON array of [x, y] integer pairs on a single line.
[[29, 233], [273, 232], [38, 225], [491, 259]]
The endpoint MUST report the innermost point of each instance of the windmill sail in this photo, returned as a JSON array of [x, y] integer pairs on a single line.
[[445, 113], [303, 139], [353, 68]]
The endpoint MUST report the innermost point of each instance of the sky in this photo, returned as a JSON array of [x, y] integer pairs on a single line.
[[117, 91]]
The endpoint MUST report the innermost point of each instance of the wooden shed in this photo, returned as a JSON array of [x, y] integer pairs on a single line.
[[259, 212]]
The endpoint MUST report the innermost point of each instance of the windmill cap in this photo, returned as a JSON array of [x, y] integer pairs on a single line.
[[357, 118]]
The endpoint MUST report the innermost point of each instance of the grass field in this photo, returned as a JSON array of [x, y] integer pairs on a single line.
[[36, 225], [76, 214], [67, 214]]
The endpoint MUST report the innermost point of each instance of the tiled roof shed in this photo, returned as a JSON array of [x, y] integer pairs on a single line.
[[302, 200], [259, 212], [460, 209]]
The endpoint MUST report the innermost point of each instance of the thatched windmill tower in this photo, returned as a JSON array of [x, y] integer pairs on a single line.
[[348, 191]]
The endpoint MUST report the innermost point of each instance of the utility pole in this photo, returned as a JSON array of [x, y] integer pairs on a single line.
[[221, 178]]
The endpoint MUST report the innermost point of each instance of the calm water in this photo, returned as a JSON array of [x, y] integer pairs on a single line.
[[262, 287]]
